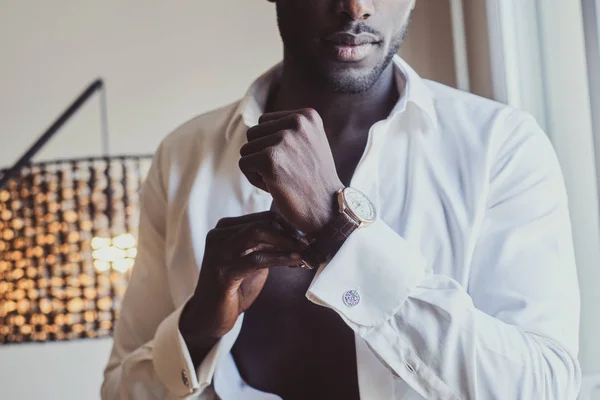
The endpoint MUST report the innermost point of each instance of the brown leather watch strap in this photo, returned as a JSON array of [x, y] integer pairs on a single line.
[[329, 240]]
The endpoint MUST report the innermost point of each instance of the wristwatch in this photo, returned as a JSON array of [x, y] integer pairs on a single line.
[[355, 211]]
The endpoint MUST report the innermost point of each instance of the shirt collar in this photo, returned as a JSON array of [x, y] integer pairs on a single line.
[[415, 92]]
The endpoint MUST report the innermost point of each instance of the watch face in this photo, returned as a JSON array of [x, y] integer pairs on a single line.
[[359, 205]]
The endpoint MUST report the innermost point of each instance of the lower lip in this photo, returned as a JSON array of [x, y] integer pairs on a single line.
[[352, 53]]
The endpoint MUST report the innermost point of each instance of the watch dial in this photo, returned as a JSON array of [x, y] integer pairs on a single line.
[[359, 204]]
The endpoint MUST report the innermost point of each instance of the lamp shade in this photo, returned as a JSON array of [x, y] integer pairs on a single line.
[[68, 233]]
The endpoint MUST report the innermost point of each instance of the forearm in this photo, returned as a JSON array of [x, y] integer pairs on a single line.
[[132, 377], [440, 343], [161, 365], [426, 328], [198, 343]]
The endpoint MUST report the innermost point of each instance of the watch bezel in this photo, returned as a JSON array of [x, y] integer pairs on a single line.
[[345, 208]]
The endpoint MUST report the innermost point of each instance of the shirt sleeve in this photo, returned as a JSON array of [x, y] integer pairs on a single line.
[[512, 331], [149, 358]]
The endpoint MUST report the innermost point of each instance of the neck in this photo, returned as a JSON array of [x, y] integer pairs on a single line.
[[343, 114]]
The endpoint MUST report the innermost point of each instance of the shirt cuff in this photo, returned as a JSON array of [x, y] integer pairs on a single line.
[[173, 363], [370, 277]]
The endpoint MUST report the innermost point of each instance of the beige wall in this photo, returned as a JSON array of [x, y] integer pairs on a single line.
[[429, 45], [163, 62], [478, 48]]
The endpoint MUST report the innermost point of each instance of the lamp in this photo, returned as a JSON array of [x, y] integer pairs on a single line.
[[67, 241]]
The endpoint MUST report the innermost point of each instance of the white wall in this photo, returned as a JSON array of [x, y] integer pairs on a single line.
[[163, 62], [66, 370]]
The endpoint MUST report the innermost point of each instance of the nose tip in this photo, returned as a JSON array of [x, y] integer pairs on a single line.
[[356, 9]]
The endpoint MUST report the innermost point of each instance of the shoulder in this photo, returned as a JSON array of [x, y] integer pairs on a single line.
[[192, 146], [200, 131], [454, 106], [492, 140], [203, 135], [486, 125]]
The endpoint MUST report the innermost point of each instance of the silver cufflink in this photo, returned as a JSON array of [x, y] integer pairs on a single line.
[[184, 378], [351, 298]]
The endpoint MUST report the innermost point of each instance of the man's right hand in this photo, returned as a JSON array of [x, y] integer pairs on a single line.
[[237, 257]]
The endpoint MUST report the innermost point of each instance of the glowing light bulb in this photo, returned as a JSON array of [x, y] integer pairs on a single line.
[[123, 265], [108, 254], [117, 253], [101, 266], [124, 241], [98, 243]]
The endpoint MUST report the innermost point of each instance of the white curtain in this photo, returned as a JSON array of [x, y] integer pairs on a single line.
[[537, 61], [531, 54]]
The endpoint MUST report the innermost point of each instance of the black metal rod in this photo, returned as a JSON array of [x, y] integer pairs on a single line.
[[98, 84]]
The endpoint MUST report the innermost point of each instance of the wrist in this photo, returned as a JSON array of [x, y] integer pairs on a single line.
[[354, 210], [198, 342], [326, 213]]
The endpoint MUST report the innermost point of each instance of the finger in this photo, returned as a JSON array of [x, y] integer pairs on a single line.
[[245, 219], [291, 230], [266, 233], [269, 220], [309, 113], [270, 215], [256, 162], [261, 260], [262, 143], [266, 117], [270, 127], [251, 166], [260, 247], [256, 180]]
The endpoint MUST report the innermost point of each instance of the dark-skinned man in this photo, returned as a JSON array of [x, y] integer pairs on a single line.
[[350, 231]]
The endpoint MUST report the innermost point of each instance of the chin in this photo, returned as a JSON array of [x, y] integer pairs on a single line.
[[350, 83], [351, 79]]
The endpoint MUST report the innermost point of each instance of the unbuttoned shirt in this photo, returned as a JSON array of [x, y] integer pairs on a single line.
[[465, 287]]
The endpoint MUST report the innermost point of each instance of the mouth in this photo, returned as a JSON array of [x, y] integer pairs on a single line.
[[347, 47]]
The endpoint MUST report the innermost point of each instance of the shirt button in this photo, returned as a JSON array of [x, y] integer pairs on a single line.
[[184, 378], [351, 298], [410, 368]]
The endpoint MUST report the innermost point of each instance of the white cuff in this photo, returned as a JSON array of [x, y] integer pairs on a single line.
[[377, 263], [173, 363]]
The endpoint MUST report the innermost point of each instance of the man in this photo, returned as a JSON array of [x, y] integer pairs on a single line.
[[437, 222]]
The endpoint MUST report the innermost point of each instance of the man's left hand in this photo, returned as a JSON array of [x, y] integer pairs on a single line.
[[288, 155]]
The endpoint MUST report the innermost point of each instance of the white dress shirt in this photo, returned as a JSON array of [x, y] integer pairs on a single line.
[[467, 280]]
